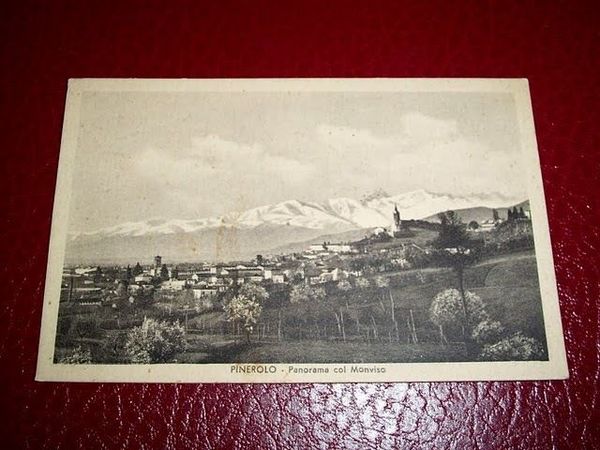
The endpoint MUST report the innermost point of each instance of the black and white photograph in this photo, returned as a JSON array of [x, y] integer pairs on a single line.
[[292, 230]]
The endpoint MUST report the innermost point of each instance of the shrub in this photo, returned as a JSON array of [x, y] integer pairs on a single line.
[[302, 294], [488, 332], [112, 349], [154, 342], [447, 309], [64, 325], [77, 356], [344, 286], [87, 328], [363, 283], [515, 348], [382, 282]]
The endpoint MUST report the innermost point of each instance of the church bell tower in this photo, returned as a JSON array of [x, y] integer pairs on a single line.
[[397, 220]]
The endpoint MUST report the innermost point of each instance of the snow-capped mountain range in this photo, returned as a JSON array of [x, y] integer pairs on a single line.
[[264, 227], [339, 213]]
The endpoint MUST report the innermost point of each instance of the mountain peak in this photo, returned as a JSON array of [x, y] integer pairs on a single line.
[[375, 195], [374, 210]]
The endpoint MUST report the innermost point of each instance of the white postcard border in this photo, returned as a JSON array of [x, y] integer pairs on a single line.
[[554, 368]]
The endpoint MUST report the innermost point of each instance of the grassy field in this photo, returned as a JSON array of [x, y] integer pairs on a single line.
[[508, 286]]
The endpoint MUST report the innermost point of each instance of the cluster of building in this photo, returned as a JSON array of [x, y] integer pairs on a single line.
[[317, 264], [516, 217], [209, 280]]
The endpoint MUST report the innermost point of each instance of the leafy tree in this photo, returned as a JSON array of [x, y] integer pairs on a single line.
[[515, 348], [112, 349], [137, 269], [452, 231], [121, 290], [254, 291], [495, 215], [344, 286], [164, 273], [245, 310], [144, 296], [447, 309], [358, 264], [303, 293], [455, 250], [363, 283], [77, 356], [298, 278], [232, 291], [154, 342], [185, 299], [473, 225], [98, 275], [382, 282], [85, 328], [308, 302]]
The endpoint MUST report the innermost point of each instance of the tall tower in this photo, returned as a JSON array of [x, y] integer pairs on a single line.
[[157, 265], [397, 220]]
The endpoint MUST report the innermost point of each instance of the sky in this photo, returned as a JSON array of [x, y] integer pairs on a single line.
[[190, 155]]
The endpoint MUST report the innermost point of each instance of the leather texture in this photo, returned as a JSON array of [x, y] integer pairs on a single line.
[[553, 44]]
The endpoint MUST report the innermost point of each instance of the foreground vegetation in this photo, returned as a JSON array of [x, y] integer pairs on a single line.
[[382, 318]]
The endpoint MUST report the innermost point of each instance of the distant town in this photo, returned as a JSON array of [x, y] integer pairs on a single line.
[[378, 289]]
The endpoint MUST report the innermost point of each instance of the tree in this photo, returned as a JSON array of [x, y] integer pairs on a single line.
[[137, 269], [309, 305], [254, 291], [185, 299], [244, 310], [98, 275], [112, 348], [382, 282], [154, 342], [164, 273], [495, 215], [455, 250], [452, 231], [473, 225], [303, 293], [145, 296], [121, 290], [344, 286], [363, 283], [448, 309]]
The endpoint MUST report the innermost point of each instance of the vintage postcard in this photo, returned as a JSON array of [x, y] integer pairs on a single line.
[[300, 230]]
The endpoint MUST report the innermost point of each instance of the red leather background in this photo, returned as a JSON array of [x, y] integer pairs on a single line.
[[555, 45]]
